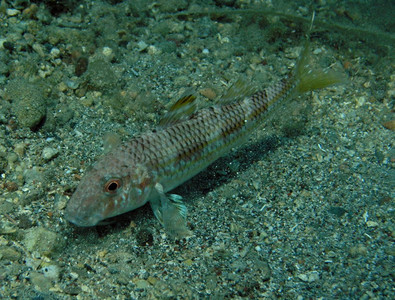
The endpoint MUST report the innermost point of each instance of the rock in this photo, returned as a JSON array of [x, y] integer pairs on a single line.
[[34, 174], [372, 224], [43, 241], [12, 157], [108, 53], [208, 93], [49, 153], [390, 125], [40, 281], [51, 272], [29, 103], [9, 253], [55, 52], [358, 250], [101, 74], [141, 46], [64, 114], [20, 149], [309, 276], [265, 271], [12, 12], [142, 284], [40, 50]]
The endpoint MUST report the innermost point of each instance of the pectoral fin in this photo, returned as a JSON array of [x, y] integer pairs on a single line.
[[171, 213]]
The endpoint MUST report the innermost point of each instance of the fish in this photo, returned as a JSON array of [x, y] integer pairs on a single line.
[[186, 141]]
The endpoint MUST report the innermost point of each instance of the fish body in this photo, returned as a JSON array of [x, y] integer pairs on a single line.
[[145, 168]]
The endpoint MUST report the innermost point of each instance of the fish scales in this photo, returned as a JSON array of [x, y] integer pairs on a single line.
[[207, 136], [179, 152], [145, 168]]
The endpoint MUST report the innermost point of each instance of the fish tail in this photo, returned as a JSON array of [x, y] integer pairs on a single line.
[[309, 78]]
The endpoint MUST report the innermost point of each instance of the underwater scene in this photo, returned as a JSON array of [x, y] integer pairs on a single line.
[[207, 149]]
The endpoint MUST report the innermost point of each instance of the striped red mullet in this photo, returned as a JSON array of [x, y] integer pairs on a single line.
[[187, 141]]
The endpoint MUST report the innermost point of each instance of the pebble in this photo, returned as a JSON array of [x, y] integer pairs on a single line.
[[141, 46], [51, 272], [28, 102], [390, 125], [204, 260], [55, 52], [107, 51], [11, 186], [360, 101], [11, 158], [49, 153], [358, 250], [20, 149], [74, 275], [317, 51], [142, 284], [39, 49], [40, 281], [309, 277], [35, 174], [152, 50], [12, 12], [43, 241], [9, 253], [372, 224], [7, 227], [30, 11], [62, 87], [72, 84], [208, 93], [101, 74]]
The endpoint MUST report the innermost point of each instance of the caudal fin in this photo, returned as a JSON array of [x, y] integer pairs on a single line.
[[309, 78]]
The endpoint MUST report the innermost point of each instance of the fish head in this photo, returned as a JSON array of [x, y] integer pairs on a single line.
[[103, 193]]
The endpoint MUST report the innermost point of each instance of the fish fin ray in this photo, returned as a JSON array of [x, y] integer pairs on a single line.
[[237, 92], [171, 213], [309, 78], [179, 111]]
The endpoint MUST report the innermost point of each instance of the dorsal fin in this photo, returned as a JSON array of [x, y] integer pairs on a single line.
[[237, 91], [179, 111]]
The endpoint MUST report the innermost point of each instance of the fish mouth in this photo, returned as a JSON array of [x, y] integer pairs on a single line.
[[81, 220]]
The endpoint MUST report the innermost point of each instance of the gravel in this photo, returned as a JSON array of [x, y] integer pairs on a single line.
[[305, 210]]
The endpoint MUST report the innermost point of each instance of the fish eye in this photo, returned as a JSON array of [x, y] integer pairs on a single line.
[[112, 185]]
